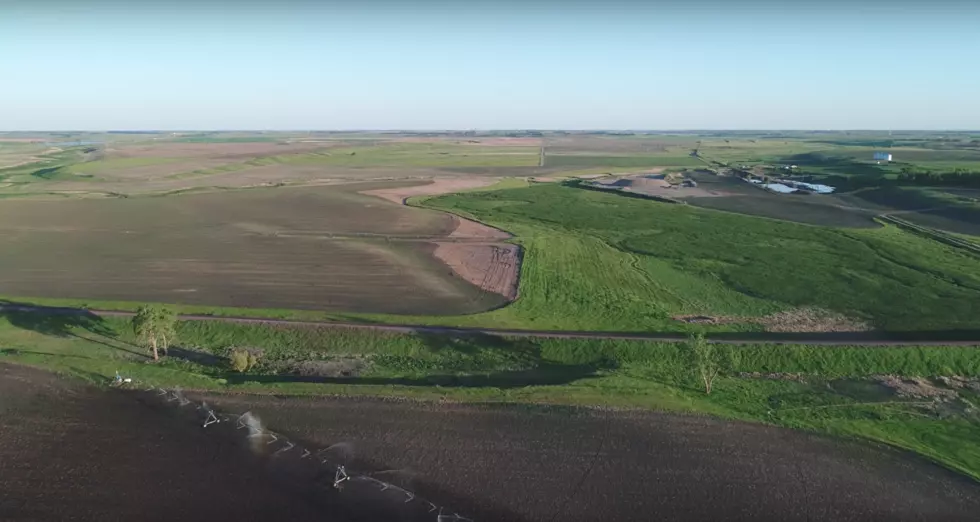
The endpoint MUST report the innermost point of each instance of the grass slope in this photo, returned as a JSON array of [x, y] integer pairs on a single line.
[[595, 260]]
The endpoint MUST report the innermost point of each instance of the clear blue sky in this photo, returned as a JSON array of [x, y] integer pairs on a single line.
[[433, 64]]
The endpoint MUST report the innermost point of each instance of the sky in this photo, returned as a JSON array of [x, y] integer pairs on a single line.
[[474, 64]]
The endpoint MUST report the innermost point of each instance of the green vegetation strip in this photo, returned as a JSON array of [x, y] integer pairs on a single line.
[[824, 389]]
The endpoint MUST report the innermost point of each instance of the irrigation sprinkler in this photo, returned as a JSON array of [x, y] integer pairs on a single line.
[[340, 477], [256, 431], [212, 418]]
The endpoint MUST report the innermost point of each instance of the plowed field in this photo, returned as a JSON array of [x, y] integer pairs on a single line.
[[70, 452], [321, 248]]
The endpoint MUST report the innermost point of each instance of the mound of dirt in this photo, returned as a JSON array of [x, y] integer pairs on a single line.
[[336, 367], [915, 387], [798, 320], [812, 320]]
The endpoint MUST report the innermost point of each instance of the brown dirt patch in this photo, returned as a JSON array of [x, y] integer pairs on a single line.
[[812, 320], [437, 186], [652, 183], [798, 320], [491, 266], [914, 387], [465, 228], [337, 367], [468, 229]]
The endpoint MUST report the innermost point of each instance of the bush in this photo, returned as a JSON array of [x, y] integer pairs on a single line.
[[242, 360]]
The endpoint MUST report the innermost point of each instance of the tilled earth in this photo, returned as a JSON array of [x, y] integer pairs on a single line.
[[69, 452]]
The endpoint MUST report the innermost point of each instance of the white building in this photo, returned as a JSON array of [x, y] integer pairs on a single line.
[[882, 156]]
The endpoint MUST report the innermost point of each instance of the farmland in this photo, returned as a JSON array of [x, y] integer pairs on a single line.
[[486, 463], [307, 248], [434, 230], [591, 261]]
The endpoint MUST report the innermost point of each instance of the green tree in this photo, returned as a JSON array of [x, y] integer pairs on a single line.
[[705, 358], [155, 327]]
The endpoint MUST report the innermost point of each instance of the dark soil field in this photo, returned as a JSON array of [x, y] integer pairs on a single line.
[[322, 248], [72, 452]]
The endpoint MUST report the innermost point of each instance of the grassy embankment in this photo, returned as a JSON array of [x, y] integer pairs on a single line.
[[595, 260], [824, 389]]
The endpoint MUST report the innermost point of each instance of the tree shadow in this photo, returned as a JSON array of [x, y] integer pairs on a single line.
[[196, 357], [472, 343], [64, 322], [544, 375]]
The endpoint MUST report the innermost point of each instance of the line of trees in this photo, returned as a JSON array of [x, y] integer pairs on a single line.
[[955, 177]]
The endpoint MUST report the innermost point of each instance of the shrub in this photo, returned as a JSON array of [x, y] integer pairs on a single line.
[[241, 360]]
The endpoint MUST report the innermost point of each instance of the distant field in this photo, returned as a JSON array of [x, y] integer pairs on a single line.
[[325, 248], [160, 167], [621, 161]]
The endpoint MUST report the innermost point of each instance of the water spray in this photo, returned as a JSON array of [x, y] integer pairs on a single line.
[[257, 432]]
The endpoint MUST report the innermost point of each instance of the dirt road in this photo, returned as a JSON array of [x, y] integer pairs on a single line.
[[68, 451]]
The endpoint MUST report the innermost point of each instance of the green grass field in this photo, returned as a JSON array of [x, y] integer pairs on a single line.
[[600, 261], [830, 390]]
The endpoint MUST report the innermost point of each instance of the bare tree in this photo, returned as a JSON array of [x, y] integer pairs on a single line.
[[705, 359], [155, 327]]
